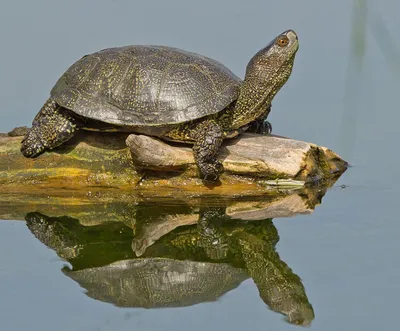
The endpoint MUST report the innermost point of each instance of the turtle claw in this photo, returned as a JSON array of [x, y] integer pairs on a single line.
[[266, 128], [262, 127], [208, 178], [211, 171]]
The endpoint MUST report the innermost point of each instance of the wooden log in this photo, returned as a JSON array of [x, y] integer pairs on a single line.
[[268, 157], [93, 160]]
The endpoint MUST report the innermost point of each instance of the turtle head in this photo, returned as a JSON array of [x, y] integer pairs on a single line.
[[267, 71], [301, 314], [274, 62]]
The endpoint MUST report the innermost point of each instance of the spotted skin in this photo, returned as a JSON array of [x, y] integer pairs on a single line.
[[208, 137], [50, 128], [167, 93]]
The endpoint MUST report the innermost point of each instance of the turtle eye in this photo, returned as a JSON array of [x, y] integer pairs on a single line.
[[282, 41]]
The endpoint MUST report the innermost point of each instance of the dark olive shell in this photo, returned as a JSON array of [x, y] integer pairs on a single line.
[[146, 85], [158, 282]]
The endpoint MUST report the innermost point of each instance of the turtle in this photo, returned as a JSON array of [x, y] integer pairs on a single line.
[[164, 92]]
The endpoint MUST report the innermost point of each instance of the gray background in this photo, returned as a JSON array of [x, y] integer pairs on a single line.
[[343, 94]]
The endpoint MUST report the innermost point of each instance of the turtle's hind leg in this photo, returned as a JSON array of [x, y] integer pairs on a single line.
[[208, 137], [51, 127]]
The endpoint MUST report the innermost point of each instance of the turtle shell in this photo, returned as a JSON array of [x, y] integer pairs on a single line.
[[146, 86], [158, 282]]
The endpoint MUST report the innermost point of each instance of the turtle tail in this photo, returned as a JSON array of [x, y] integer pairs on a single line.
[[51, 127]]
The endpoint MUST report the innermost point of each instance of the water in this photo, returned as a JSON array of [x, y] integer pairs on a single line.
[[342, 94]]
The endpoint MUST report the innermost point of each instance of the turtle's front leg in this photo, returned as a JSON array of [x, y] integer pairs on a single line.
[[208, 137], [211, 237], [50, 128], [261, 125]]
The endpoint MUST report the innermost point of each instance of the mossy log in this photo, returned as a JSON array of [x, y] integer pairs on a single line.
[[102, 160]]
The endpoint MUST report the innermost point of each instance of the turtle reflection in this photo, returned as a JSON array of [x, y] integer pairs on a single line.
[[175, 259]]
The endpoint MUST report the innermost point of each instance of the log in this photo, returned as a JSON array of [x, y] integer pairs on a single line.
[[268, 157], [103, 160]]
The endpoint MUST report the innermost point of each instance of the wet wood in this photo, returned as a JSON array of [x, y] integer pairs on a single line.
[[93, 160]]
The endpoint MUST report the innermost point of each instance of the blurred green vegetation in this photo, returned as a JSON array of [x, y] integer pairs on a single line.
[[363, 19]]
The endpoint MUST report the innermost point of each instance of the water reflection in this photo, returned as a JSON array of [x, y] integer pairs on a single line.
[[182, 254]]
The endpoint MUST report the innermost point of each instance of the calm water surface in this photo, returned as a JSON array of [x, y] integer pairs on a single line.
[[335, 265]]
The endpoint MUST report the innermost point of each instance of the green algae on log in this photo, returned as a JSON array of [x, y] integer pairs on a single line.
[[104, 160]]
